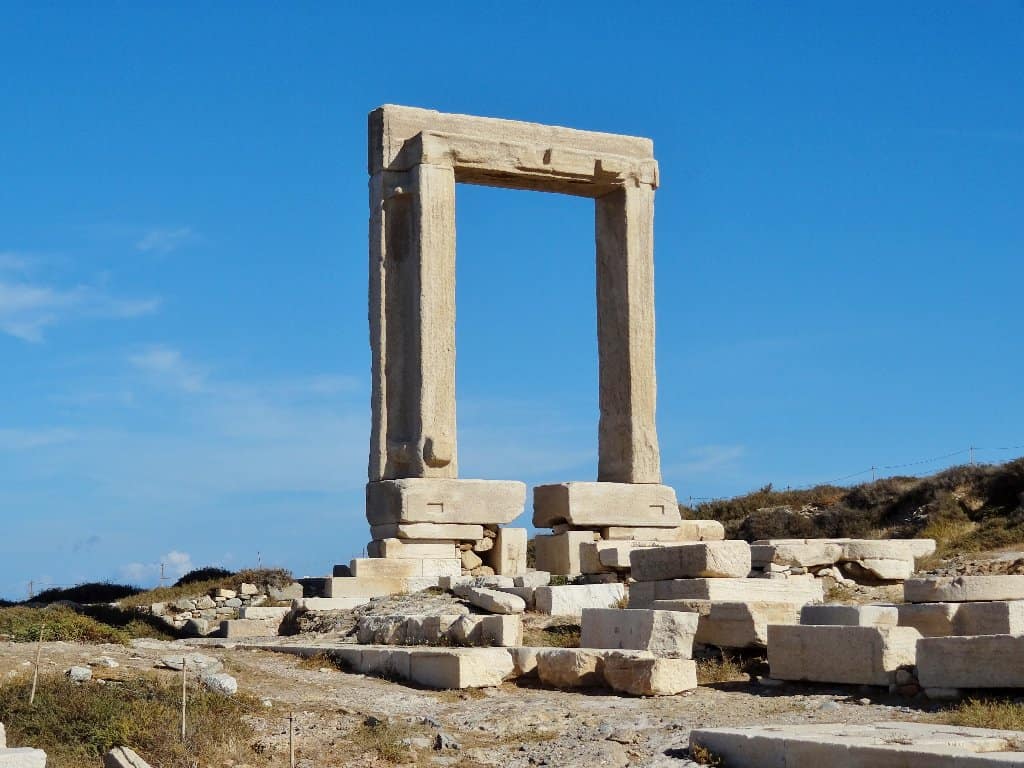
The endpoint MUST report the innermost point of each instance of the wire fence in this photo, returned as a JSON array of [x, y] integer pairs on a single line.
[[879, 471]]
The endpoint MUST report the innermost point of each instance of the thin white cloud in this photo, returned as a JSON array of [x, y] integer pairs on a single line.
[[707, 460], [164, 241], [27, 310], [175, 565], [169, 365]]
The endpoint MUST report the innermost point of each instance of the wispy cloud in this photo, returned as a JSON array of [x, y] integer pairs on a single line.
[[175, 565], [706, 460], [164, 241], [170, 366], [28, 309]]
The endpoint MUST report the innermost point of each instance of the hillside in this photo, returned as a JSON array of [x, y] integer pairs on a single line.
[[965, 508]]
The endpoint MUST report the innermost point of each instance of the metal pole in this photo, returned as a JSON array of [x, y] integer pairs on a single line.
[[184, 676], [35, 670], [291, 740]]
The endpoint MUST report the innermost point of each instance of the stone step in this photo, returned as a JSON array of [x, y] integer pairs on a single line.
[[978, 661], [705, 559], [959, 589], [249, 628], [667, 634], [840, 745], [405, 567], [454, 629], [376, 586], [797, 590], [734, 624], [840, 654], [571, 599]]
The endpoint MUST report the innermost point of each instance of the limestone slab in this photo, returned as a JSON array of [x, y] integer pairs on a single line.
[[663, 633], [794, 590], [801, 554], [376, 586], [123, 757], [22, 757], [328, 603], [561, 553], [876, 745], [444, 500], [978, 661], [615, 554], [508, 558], [605, 504], [571, 599], [640, 675], [405, 567], [687, 530], [249, 628], [944, 589], [263, 612], [492, 600], [851, 615], [706, 559], [734, 624], [570, 667], [840, 654], [997, 617], [461, 667], [428, 531], [399, 549]]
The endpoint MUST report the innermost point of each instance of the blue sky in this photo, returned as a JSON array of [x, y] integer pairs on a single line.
[[184, 360]]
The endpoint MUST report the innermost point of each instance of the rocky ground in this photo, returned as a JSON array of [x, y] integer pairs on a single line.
[[510, 726]]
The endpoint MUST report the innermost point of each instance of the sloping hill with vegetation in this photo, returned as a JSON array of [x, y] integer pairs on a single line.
[[965, 508]]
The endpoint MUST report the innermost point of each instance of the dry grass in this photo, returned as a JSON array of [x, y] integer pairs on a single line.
[[384, 739], [23, 625], [77, 723], [322, 660], [726, 669], [701, 754], [555, 635], [982, 713], [275, 577]]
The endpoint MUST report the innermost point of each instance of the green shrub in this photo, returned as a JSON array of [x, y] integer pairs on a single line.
[[206, 573], [94, 592], [77, 723]]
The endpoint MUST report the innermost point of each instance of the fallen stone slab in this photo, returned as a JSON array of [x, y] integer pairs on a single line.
[[806, 554], [999, 617], [663, 633], [197, 662], [947, 589], [123, 757], [687, 530], [438, 500], [978, 661], [461, 667], [877, 745], [851, 615], [734, 624], [492, 600], [705, 559], [797, 590], [638, 674], [840, 654], [598, 504], [234, 628], [22, 757], [571, 599], [878, 569]]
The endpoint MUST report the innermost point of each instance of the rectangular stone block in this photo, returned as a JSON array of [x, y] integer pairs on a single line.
[[605, 504], [637, 674], [706, 559], [22, 757], [430, 531], [980, 661], [390, 663], [850, 615], [734, 624], [803, 555], [876, 745], [399, 549], [1000, 617], [508, 558], [570, 667], [570, 600], [263, 612], [560, 553], [794, 590], [405, 567], [376, 586], [687, 530], [249, 628], [444, 500], [947, 589], [615, 554], [930, 619], [840, 654], [461, 667], [663, 633]]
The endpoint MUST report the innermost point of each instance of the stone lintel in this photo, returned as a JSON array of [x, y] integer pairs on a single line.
[[597, 504], [444, 500]]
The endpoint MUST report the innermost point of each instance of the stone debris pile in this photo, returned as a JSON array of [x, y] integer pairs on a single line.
[[862, 561], [223, 611]]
